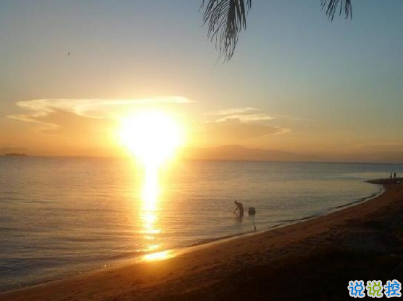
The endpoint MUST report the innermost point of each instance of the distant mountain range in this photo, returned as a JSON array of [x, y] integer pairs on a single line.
[[15, 155], [237, 153]]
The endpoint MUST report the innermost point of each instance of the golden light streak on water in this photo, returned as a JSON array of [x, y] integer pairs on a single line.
[[149, 210], [158, 256]]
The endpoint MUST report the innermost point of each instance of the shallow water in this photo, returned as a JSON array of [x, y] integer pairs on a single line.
[[60, 216]]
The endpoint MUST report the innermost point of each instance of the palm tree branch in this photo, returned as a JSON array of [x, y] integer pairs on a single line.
[[225, 19], [342, 6]]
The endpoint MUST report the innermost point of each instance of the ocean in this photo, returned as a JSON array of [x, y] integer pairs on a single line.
[[62, 216]]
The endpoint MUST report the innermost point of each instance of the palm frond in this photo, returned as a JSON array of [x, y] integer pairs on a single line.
[[342, 6], [225, 20]]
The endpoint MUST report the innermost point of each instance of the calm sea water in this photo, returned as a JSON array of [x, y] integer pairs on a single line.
[[60, 216]]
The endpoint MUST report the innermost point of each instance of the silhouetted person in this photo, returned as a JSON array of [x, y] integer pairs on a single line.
[[394, 175], [239, 206]]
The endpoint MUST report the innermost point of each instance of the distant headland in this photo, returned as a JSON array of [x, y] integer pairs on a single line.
[[15, 155]]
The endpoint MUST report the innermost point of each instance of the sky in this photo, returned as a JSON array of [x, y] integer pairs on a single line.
[[297, 83]]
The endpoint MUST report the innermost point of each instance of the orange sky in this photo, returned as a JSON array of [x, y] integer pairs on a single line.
[[319, 90], [90, 127]]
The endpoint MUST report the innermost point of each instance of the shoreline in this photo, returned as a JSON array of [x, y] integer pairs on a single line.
[[194, 246], [209, 254]]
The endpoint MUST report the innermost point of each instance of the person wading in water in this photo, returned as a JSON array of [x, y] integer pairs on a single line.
[[239, 206]]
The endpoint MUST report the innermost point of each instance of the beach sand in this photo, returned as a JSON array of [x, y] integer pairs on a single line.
[[311, 260]]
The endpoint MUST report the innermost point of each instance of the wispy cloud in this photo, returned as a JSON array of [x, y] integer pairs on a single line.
[[246, 117], [235, 125], [233, 111], [243, 114], [234, 131], [281, 130], [37, 109]]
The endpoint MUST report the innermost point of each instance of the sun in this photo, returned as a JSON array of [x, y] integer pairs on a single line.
[[151, 136]]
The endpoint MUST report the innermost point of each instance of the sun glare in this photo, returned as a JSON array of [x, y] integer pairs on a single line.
[[153, 136], [158, 256]]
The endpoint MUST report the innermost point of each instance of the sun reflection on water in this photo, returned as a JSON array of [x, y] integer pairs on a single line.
[[149, 209], [153, 137], [158, 256], [150, 187]]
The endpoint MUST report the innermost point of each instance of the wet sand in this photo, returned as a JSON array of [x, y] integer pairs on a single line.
[[311, 260]]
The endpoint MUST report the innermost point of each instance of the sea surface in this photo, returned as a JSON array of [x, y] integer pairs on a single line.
[[61, 216]]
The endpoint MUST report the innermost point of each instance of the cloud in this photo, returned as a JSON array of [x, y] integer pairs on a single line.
[[251, 114], [236, 131], [232, 111], [246, 117], [243, 114], [38, 109], [238, 125]]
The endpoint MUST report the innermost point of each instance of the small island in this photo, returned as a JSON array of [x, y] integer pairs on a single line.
[[15, 155]]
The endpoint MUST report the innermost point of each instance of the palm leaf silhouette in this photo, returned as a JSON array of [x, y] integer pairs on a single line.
[[226, 19], [332, 6]]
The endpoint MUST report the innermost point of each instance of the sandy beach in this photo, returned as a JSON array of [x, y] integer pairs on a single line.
[[311, 260]]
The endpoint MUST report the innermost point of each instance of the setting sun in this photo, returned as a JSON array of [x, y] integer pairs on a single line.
[[152, 151], [152, 136]]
